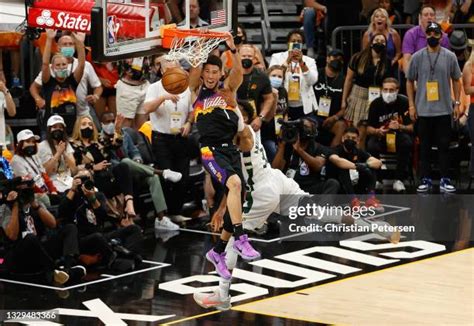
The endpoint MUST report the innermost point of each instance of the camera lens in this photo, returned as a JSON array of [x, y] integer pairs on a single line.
[[88, 184]]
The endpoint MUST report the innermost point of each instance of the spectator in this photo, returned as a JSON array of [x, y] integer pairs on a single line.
[[458, 44], [461, 11], [194, 20], [301, 74], [56, 154], [393, 14], [59, 101], [155, 68], [328, 92], [280, 108], [309, 18], [390, 129], [257, 90], [123, 151], [6, 103], [415, 37], [364, 77], [25, 223], [239, 40], [131, 91], [89, 154], [171, 118], [410, 8], [361, 180], [442, 10], [108, 75], [434, 68], [26, 163], [304, 160], [380, 24], [468, 81]]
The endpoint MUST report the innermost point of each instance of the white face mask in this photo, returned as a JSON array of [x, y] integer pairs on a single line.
[[109, 128], [389, 97]]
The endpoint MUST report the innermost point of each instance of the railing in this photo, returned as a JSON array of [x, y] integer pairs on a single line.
[[349, 38], [265, 23]]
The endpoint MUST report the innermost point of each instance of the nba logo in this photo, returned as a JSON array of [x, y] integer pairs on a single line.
[[112, 29]]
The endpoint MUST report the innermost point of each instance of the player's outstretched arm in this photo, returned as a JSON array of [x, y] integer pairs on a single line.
[[195, 78], [246, 139], [236, 74]]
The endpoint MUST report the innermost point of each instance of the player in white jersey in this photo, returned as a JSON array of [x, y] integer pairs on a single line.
[[264, 187]]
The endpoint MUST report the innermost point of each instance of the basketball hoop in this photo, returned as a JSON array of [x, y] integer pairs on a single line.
[[194, 45]]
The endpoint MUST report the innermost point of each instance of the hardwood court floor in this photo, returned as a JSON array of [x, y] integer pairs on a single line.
[[434, 291]]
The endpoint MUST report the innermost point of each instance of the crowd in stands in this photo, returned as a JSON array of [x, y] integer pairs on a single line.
[[81, 173]]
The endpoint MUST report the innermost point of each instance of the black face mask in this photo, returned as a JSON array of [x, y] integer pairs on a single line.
[[433, 41], [87, 133], [29, 150], [350, 145], [26, 196], [335, 65], [57, 134], [247, 63], [378, 47], [136, 75], [238, 40]]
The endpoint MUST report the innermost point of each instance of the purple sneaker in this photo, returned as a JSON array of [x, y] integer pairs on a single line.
[[244, 249], [218, 260]]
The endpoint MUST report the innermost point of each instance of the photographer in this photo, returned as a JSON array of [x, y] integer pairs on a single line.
[[29, 251], [26, 163], [362, 175], [303, 158], [82, 207]]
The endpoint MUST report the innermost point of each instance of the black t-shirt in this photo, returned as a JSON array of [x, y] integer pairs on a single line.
[[60, 98], [330, 87], [358, 156], [268, 128], [29, 223], [92, 152], [380, 113], [303, 174], [369, 77], [253, 87]]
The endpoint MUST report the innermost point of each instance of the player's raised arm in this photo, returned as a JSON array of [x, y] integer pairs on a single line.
[[195, 78], [236, 74]]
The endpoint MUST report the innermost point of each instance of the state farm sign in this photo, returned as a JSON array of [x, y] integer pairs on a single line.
[[69, 21]]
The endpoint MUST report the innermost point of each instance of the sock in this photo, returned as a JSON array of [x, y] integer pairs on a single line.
[[220, 246], [224, 287], [238, 230]]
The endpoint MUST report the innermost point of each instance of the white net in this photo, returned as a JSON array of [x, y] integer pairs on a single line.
[[194, 49]]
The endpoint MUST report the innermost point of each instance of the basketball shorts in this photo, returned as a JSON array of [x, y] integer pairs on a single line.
[[264, 199], [130, 99], [222, 163]]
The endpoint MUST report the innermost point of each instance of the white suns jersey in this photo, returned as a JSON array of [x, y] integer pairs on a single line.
[[254, 162]]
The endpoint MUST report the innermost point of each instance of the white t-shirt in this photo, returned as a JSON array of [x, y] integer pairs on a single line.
[[3, 106], [89, 78], [62, 179], [170, 116], [29, 167]]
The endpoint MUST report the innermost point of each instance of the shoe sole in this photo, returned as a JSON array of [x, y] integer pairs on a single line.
[[246, 258], [163, 228], [209, 259], [442, 189], [218, 307]]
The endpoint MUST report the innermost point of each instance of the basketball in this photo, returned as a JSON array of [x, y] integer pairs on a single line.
[[175, 80]]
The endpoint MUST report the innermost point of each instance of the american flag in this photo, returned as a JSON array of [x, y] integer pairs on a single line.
[[218, 17]]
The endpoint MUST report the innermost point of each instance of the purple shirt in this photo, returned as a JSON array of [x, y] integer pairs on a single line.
[[415, 39]]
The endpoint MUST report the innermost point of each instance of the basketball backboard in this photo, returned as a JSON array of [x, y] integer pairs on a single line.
[[130, 28]]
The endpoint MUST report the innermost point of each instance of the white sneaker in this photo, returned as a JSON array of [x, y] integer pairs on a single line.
[[171, 175], [179, 218], [378, 185], [398, 186], [165, 224], [212, 300]]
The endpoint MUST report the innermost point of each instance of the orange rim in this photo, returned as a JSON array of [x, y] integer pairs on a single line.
[[169, 34]]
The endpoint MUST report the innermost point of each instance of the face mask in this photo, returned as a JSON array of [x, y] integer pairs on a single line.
[[57, 134], [238, 40], [63, 73], [136, 75], [378, 47], [29, 150], [26, 196], [68, 52], [335, 65], [389, 97], [350, 145], [433, 41], [87, 133], [109, 128], [295, 46], [276, 82], [247, 63]]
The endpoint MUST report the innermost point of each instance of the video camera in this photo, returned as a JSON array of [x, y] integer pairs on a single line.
[[87, 182], [291, 131], [24, 188]]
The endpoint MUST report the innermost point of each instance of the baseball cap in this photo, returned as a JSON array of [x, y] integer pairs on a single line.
[[54, 119], [433, 27], [458, 40], [25, 135], [335, 53]]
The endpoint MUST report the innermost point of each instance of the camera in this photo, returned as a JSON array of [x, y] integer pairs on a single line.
[[24, 188], [290, 130], [87, 182]]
